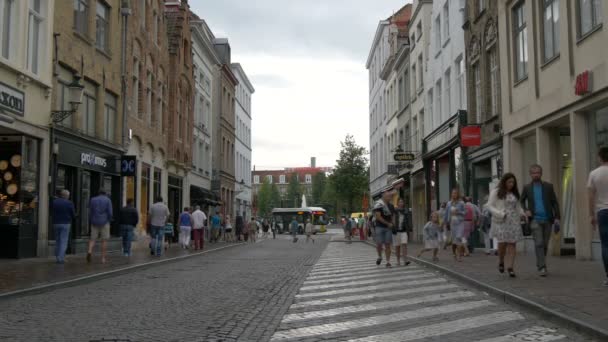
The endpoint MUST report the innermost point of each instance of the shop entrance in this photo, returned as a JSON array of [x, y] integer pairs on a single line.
[[567, 187], [482, 173]]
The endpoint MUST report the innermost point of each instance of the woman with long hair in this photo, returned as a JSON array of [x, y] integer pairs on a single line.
[[454, 222], [507, 215]]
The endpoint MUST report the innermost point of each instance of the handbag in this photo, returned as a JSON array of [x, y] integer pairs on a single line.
[[525, 229]]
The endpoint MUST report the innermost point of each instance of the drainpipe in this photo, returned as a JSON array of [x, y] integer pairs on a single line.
[[125, 11]]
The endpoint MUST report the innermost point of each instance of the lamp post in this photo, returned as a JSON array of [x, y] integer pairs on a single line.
[[75, 92]]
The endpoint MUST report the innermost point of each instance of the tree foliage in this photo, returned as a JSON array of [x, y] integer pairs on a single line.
[[319, 181], [268, 198], [293, 197], [350, 176]]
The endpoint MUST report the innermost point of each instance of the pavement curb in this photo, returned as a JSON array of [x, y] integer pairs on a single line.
[[102, 275], [511, 298]]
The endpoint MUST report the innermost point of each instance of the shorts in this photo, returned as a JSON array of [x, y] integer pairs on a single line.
[[383, 236], [101, 232], [400, 239]]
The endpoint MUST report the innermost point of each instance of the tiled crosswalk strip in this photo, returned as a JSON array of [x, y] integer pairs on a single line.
[[395, 277], [380, 286], [535, 334], [375, 295], [378, 271], [325, 262], [439, 329], [359, 262], [376, 306], [353, 267], [362, 277], [331, 328]]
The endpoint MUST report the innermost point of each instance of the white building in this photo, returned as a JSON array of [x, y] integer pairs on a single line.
[[205, 63], [242, 121], [446, 96]]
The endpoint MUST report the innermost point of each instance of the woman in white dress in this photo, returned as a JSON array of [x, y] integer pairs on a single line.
[[507, 216]]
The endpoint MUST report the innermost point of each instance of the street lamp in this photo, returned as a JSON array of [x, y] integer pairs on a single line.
[[75, 92]]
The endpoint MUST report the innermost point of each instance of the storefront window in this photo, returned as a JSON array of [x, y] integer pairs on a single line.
[[145, 194], [157, 182], [459, 170], [528, 152], [598, 134]]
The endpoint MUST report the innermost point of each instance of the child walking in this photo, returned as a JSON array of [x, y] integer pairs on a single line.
[[431, 233]]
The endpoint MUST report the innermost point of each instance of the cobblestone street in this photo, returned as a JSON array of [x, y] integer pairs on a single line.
[[271, 291]]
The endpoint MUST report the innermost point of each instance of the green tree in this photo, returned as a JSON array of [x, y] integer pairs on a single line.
[[275, 197], [350, 176], [293, 198], [319, 181], [329, 198], [264, 199]]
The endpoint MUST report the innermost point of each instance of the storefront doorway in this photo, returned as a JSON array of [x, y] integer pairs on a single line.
[[175, 197]]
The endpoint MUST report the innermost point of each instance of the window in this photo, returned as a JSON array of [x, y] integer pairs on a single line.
[[81, 16], [159, 107], [308, 179], [419, 30], [406, 86], [149, 82], [7, 8], [88, 118], [155, 26], [437, 34], [62, 92], [135, 94], [269, 179], [102, 24], [520, 42], [109, 118], [590, 16], [256, 179], [179, 119], [420, 73], [478, 94], [550, 29], [446, 21], [413, 40], [460, 81], [438, 100], [494, 82], [430, 102], [34, 35], [414, 75], [420, 132], [142, 11], [282, 179], [447, 97]]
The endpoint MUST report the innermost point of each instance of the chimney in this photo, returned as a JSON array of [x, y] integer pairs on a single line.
[[313, 161]]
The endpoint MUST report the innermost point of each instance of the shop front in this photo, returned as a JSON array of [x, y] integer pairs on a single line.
[[85, 167], [484, 168]]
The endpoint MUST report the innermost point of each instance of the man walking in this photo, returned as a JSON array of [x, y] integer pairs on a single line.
[[100, 216], [384, 213], [238, 226], [198, 227], [403, 228], [348, 229], [158, 215], [127, 219], [63, 215], [598, 203], [294, 229], [540, 203]]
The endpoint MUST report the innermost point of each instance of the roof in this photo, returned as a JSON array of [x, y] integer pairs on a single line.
[[243, 76]]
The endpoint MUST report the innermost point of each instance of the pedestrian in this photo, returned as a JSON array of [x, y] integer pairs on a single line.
[[252, 228], [598, 203], [485, 223], [265, 228], [361, 227], [384, 213], [128, 219], [229, 234], [100, 216], [507, 216], [185, 228], [238, 225], [216, 222], [169, 234], [63, 216], [400, 231], [308, 229], [444, 237], [540, 204], [294, 229], [431, 233], [453, 221], [198, 228], [348, 227], [273, 227], [471, 219], [158, 215], [370, 227]]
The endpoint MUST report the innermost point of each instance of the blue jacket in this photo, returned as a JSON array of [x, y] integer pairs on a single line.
[[100, 210], [63, 211]]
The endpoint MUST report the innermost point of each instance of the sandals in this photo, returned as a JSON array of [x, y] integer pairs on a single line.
[[388, 265], [501, 268], [511, 273]]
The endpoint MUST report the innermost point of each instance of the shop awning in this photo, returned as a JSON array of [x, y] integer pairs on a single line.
[[200, 195]]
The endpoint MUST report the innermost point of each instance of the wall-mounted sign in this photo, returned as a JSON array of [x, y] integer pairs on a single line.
[[92, 160], [470, 136], [128, 166], [583, 83], [404, 156], [12, 99]]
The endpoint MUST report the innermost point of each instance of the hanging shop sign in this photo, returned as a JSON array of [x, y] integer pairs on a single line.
[[12, 99], [128, 166], [404, 156], [470, 136], [583, 83]]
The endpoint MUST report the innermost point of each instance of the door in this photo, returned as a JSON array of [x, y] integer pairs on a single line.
[[65, 181], [85, 198]]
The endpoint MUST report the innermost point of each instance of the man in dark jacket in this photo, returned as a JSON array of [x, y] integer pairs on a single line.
[[63, 215], [540, 203], [128, 219]]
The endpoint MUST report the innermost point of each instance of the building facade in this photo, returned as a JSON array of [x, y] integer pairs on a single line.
[[242, 170], [224, 135], [180, 110], [26, 98], [554, 90], [147, 104], [88, 145], [483, 163]]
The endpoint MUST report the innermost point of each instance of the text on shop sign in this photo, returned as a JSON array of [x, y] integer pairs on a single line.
[[92, 159], [11, 99], [583, 83]]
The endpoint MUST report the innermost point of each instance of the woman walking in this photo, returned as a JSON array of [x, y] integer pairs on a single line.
[[229, 236], [308, 230], [185, 227], [252, 227], [507, 215], [454, 222], [265, 228], [431, 233]]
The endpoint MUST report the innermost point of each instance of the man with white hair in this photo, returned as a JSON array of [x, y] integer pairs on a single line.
[[63, 215], [198, 227]]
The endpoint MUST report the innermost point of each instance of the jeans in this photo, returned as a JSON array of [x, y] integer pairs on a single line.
[[602, 223], [126, 231], [541, 232], [157, 233], [62, 232]]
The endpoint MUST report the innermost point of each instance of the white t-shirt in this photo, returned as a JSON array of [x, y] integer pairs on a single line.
[[198, 219], [598, 180]]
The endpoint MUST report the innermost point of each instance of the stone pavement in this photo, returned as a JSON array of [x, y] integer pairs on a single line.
[[234, 294], [573, 288], [346, 297]]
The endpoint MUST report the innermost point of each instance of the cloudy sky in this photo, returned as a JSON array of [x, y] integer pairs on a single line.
[[306, 60]]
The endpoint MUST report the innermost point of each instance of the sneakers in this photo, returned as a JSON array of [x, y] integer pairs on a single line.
[[542, 272], [378, 261], [407, 263]]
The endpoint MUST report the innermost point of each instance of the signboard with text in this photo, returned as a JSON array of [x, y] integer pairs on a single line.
[[404, 156], [12, 100], [128, 166], [470, 136]]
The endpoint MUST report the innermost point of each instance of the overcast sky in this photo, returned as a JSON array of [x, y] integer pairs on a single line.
[[306, 60]]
